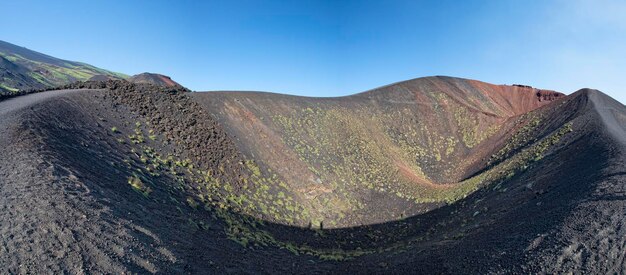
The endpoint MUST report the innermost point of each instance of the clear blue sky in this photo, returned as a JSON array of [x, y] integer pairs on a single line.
[[331, 48]]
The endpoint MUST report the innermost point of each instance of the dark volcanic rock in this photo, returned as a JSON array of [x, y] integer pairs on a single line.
[[511, 180]]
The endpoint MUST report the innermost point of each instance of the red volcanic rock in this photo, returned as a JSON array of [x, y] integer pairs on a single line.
[[490, 99], [516, 99]]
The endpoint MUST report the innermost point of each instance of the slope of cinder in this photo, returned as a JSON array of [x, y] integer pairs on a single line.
[[81, 190], [380, 155], [564, 213], [67, 206], [561, 213], [136, 178], [499, 100], [591, 236], [102, 181]]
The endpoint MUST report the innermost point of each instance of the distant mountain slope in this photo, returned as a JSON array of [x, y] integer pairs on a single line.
[[103, 77], [155, 79], [23, 69]]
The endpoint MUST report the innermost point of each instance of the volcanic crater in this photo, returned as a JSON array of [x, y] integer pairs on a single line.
[[430, 175]]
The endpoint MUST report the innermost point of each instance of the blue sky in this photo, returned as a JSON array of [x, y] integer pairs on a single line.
[[332, 48]]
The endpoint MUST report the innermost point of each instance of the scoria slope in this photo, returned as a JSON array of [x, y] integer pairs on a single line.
[[433, 175], [384, 154]]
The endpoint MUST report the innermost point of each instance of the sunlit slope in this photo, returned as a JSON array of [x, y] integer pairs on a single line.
[[24, 69], [388, 153]]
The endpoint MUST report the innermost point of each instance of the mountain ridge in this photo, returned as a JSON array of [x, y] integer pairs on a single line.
[[23, 69]]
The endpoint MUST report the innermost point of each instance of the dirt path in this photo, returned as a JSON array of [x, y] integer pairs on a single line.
[[17, 103]]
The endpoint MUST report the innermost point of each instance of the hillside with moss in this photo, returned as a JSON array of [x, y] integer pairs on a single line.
[[385, 154], [23, 69]]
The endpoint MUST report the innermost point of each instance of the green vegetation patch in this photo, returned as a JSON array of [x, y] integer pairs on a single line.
[[10, 89], [468, 123], [138, 185]]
